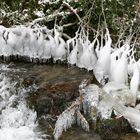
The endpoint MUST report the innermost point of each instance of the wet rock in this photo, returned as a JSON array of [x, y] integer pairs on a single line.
[[44, 106], [61, 90], [53, 97], [46, 125], [130, 136], [57, 86], [112, 129], [28, 81], [76, 133]]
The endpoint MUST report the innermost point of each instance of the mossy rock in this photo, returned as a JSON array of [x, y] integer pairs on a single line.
[[112, 129]]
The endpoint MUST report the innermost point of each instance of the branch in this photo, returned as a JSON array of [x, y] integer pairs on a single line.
[[52, 17], [66, 36], [37, 20], [72, 10], [69, 24]]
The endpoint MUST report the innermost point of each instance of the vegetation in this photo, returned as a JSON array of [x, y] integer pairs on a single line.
[[118, 13]]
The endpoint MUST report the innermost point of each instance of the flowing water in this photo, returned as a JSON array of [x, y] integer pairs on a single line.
[[17, 121]]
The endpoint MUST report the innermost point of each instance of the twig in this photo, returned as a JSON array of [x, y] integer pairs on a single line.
[[90, 12], [37, 20], [72, 10], [69, 24], [104, 15], [66, 36]]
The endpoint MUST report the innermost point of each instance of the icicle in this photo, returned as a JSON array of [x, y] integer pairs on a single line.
[[87, 57], [104, 109], [81, 121], [60, 52], [91, 101], [92, 47], [70, 45], [131, 65], [102, 66], [66, 120], [72, 58], [46, 49], [119, 65], [134, 83]]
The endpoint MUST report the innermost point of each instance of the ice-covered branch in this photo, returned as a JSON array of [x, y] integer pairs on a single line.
[[66, 120], [50, 17], [88, 103]]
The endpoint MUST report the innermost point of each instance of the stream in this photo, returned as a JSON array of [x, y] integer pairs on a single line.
[[17, 120]]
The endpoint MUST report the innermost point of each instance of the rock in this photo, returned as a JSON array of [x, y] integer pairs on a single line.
[[130, 136], [112, 129], [62, 90], [52, 97], [76, 133], [28, 81], [57, 87]]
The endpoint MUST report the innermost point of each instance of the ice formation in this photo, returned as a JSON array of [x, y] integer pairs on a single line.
[[129, 113], [37, 44], [112, 68], [69, 117], [91, 101], [121, 92], [102, 67], [65, 120]]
